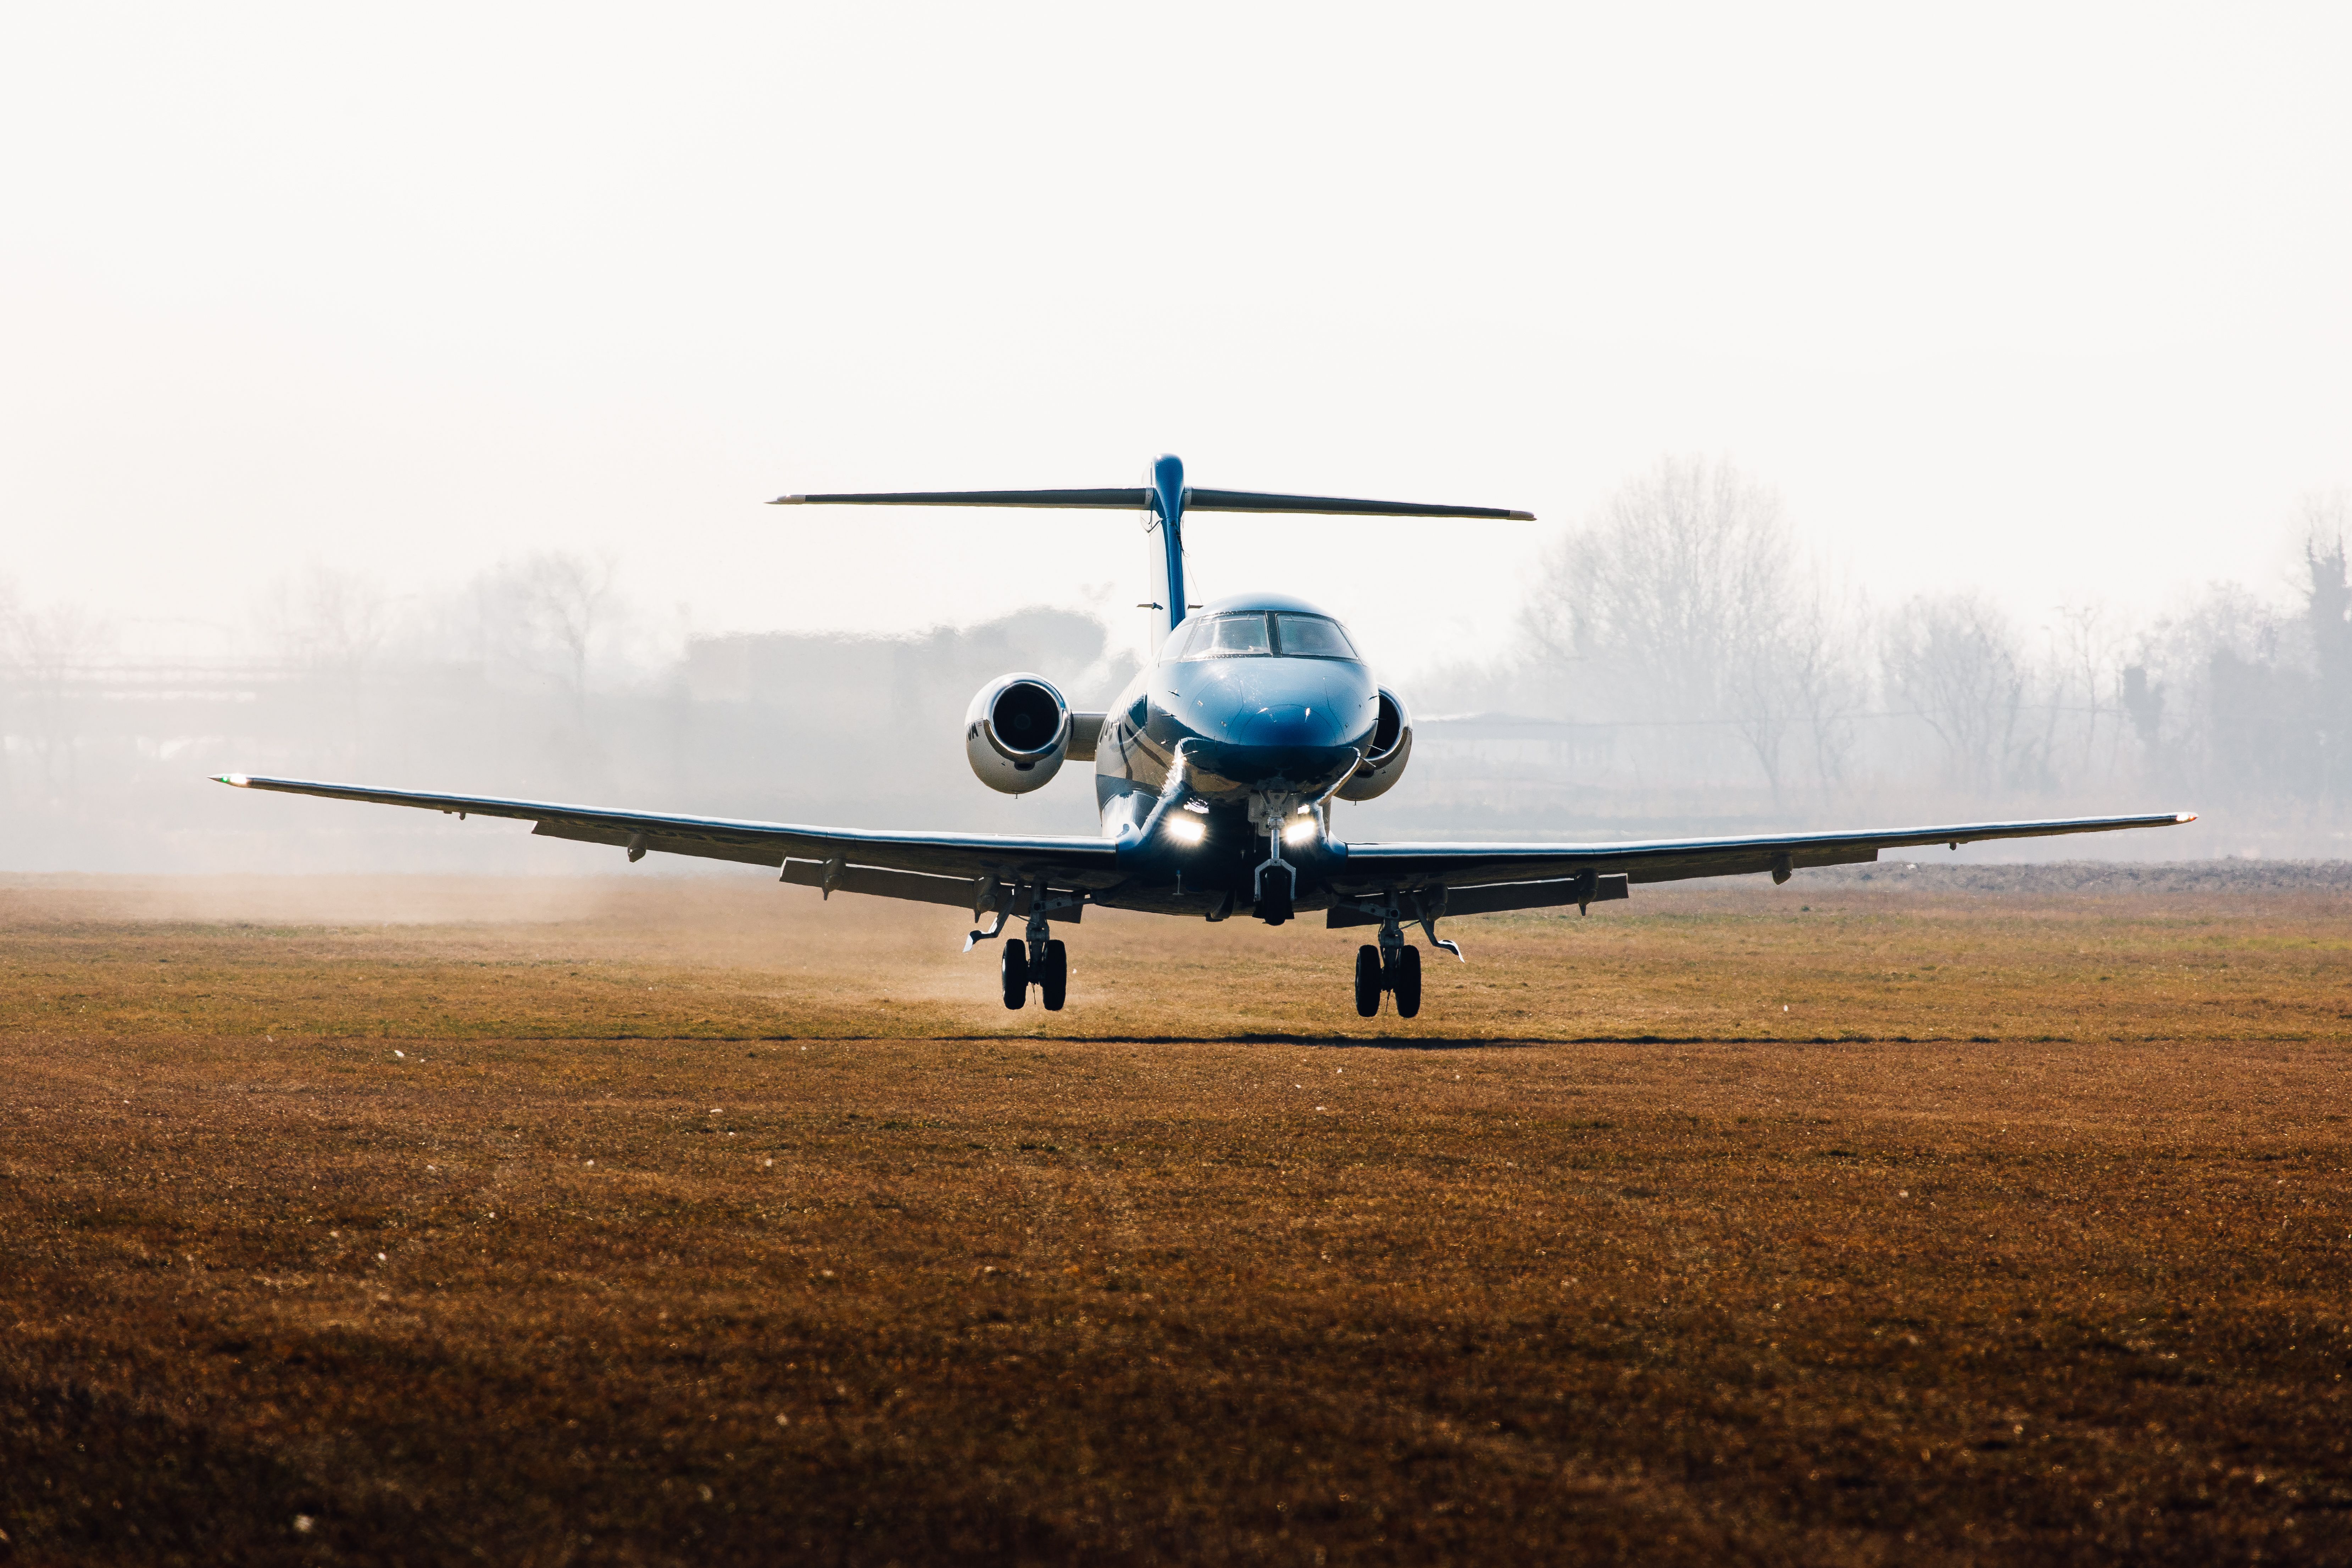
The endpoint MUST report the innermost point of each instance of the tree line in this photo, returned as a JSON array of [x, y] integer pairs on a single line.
[[1685, 616]]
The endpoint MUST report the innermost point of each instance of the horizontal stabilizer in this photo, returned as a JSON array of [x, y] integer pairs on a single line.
[[1126, 500], [1146, 500], [1338, 506]]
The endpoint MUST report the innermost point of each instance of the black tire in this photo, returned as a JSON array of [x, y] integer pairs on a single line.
[[1016, 975], [1053, 976], [1367, 981], [1277, 893], [1406, 983]]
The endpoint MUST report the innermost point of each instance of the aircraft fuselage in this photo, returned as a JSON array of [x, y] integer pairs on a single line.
[[1234, 738]]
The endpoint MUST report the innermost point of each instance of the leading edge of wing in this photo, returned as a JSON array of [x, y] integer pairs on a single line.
[[1672, 859], [1104, 499], [919, 851]]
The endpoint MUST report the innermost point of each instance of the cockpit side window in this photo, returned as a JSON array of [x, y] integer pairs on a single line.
[[1312, 636], [1229, 636]]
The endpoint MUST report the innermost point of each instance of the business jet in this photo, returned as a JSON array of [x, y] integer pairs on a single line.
[[1215, 778]]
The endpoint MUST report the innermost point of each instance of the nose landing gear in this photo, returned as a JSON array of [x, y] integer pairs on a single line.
[[1276, 885]]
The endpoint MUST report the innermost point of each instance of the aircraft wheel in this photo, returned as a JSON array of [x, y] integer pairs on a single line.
[[1406, 983], [1367, 981], [1053, 976], [1276, 896], [1016, 975]]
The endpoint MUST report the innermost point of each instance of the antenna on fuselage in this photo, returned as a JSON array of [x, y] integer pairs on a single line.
[[1163, 500]]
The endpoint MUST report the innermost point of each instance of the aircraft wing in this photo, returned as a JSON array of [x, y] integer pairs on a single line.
[[958, 869], [1370, 868]]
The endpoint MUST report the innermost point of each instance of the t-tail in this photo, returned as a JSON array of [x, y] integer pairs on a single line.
[[1164, 532], [1164, 501]]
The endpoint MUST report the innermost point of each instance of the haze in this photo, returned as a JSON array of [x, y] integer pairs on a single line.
[[2049, 305]]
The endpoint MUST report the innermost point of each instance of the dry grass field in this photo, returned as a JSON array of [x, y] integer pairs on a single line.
[[692, 1220]]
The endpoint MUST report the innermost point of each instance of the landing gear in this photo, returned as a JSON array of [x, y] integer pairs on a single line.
[[1400, 976], [1276, 885], [1367, 981], [1015, 973], [1275, 894], [1053, 976], [1035, 958], [1392, 967], [1404, 981]]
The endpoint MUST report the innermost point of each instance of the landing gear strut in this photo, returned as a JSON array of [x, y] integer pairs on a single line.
[[1037, 958], [1392, 967], [1276, 885]]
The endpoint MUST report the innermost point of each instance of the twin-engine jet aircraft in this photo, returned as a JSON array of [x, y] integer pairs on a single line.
[[1213, 776]]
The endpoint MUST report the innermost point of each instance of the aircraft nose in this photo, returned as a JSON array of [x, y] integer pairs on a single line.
[[1287, 724]]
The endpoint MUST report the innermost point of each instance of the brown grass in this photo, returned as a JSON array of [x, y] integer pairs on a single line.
[[1902, 1229]]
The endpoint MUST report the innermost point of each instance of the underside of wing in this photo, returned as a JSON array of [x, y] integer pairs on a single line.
[[1372, 869], [956, 868]]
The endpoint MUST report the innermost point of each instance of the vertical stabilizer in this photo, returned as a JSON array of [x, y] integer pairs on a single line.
[[1163, 533]]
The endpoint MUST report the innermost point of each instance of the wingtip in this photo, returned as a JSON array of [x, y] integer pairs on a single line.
[[234, 781], [790, 501], [2184, 816], [1523, 517]]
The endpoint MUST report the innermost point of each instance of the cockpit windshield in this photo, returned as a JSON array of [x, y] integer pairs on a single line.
[[1311, 637], [1258, 632], [1229, 636]]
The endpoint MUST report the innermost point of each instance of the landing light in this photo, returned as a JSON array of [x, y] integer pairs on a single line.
[[1299, 832], [1185, 829]]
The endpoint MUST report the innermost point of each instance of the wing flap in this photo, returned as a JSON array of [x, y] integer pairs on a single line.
[[1496, 898], [1370, 868], [661, 843]]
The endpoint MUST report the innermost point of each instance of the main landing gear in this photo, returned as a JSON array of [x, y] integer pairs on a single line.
[[1400, 976], [1050, 974], [1037, 958], [1392, 967]]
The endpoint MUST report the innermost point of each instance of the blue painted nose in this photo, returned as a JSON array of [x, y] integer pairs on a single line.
[[1288, 724]]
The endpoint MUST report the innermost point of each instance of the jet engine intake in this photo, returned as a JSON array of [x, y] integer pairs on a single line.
[[1017, 733], [1392, 746]]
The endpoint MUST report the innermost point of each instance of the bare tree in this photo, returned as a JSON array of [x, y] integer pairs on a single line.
[[1955, 661], [569, 601], [1826, 676], [51, 651], [1685, 601], [550, 614], [2328, 616], [2086, 678], [328, 620]]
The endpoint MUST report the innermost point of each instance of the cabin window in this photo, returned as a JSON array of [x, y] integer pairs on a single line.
[[1312, 636]]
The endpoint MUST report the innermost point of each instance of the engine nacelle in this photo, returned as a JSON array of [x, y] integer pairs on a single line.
[[1016, 732], [1392, 747]]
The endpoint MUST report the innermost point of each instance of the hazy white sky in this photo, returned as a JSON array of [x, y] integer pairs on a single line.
[[2050, 300]]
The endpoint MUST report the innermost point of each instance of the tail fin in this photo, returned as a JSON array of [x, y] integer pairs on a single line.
[[1164, 501]]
